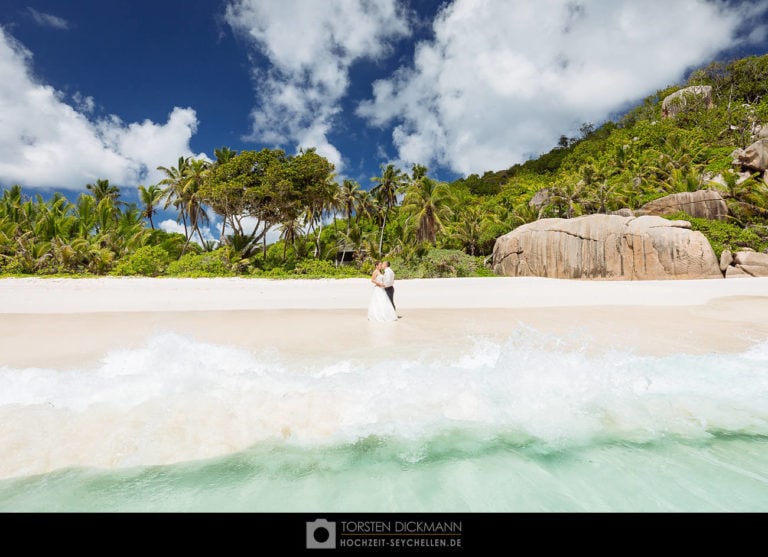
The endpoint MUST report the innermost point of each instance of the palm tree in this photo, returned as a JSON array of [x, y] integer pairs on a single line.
[[32, 254], [604, 196], [471, 224], [194, 176], [102, 189], [745, 198], [679, 152], [130, 230], [175, 178], [224, 154], [291, 228], [418, 172], [151, 198], [568, 196], [684, 181], [322, 198], [105, 219], [349, 196], [426, 204], [389, 185], [85, 213], [367, 206], [54, 219], [11, 203]]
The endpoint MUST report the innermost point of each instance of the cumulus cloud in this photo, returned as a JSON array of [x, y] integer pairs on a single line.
[[503, 79], [45, 142], [47, 20], [310, 47], [172, 226], [213, 230]]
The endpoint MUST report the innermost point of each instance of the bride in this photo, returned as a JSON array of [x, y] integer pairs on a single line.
[[380, 308]]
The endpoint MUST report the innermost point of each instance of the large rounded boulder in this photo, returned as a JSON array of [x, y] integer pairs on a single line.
[[606, 247], [705, 204]]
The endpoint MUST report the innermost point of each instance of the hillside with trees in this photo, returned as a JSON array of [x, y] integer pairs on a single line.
[[329, 227]]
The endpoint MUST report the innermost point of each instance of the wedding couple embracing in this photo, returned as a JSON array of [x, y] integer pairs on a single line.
[[382, 306]]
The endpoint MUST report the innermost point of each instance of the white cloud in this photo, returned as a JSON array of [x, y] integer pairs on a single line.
[[45, 142], [311, 46], [171, 226], [213, 230], [48, 20], [83, 103], [503, 79], [250, 224]]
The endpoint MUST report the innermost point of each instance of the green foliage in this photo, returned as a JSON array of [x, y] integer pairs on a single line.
[[725, 235], [720, 160], [214, 263], [171, 242], [428, 229], [149, 261], [489, 184], [319, 268], [274, 273], [745, 79], [439, 263], [483, 269]]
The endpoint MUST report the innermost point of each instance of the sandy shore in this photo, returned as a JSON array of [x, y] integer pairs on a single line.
[[289, 360], [65, 323]]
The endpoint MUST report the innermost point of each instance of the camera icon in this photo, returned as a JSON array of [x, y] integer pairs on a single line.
[[321, 534]]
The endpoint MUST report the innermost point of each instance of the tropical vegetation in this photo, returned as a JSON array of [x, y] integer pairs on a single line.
[[336, 228]]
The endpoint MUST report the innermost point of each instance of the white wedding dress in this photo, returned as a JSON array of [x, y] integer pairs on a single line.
[[380, 308]]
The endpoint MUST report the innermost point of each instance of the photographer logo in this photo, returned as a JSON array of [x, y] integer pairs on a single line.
[[321, 534]]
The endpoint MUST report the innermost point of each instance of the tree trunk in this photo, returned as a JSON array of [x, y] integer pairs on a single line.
[[317, 237], [381, 238], [266, 229], [349, 217], [186, 233]]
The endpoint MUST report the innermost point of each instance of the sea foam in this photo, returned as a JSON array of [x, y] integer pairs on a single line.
[[177, 400]]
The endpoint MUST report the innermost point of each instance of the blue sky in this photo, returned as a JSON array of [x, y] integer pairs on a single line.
[[105, 89]]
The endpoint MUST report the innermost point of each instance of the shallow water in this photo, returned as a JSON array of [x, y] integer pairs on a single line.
[[180, 425]]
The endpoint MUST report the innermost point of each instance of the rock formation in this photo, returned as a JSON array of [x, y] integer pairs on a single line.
[[677, 101], [735, 272], [540, 198], [760, 131], [624, 212], [754, 157], [752, 263], [607, 247], [707, 204], [726, 259]]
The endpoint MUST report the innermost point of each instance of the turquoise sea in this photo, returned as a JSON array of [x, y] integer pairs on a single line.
[[179, 425]]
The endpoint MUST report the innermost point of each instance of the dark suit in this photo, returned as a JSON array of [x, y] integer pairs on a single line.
[[390, 290], [389, 276]]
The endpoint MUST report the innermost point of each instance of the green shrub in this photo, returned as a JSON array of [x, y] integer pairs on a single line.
[[275, 272], [482, 270], [440, 263], [13, 266], [725, 235], [214, 263], [324, 268], [720, 160], [149, 261]]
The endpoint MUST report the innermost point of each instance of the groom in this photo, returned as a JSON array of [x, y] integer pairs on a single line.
[[389, 282]]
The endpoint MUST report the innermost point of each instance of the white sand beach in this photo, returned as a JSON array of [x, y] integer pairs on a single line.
[[70, 322]]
